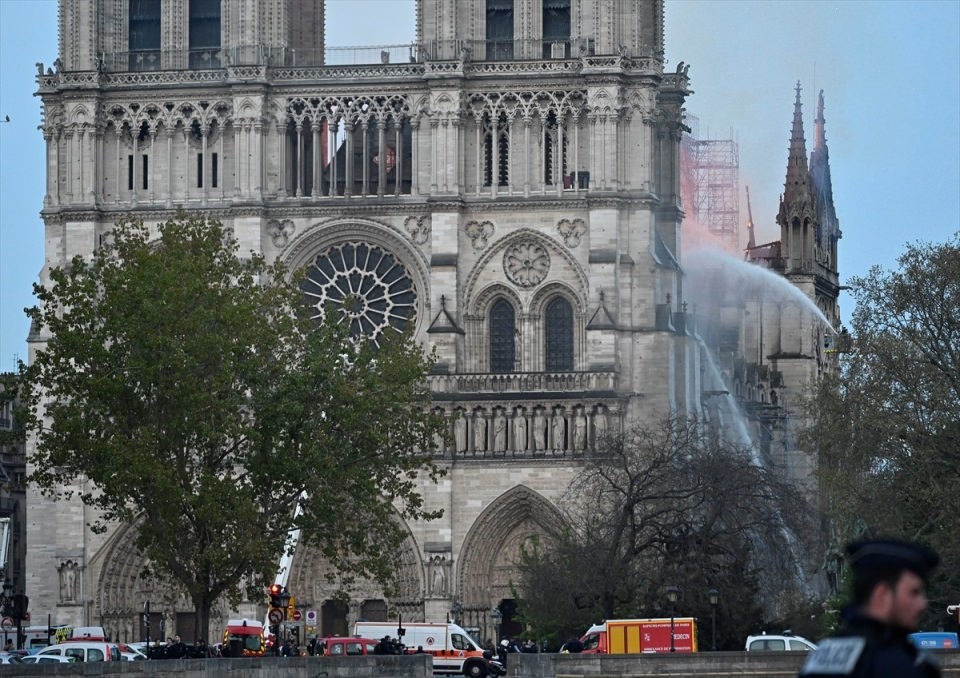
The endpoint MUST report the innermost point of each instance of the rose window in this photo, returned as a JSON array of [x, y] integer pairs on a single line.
[[367, 286], [526, 263]]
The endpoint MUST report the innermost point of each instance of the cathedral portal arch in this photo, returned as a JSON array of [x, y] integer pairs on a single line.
[[317, 584], [121, 589], [492, 547]]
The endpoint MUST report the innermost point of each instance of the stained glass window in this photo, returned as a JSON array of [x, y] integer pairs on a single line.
[[503, 326], [559, 336], [369, 288]]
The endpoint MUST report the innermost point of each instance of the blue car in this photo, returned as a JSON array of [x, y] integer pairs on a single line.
[[935, 640]]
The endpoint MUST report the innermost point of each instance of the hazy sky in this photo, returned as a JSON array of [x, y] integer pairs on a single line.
[[890, 71]]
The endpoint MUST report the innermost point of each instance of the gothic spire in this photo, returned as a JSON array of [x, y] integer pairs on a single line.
[[797, 188], [820, 175], [751, 236]]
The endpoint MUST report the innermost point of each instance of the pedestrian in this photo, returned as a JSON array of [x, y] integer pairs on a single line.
[[178, 649], [888, 599], [9, 646]]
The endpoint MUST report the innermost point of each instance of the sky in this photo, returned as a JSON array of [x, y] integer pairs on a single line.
[[889, 69]]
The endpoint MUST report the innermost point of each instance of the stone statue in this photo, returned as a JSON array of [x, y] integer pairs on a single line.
[[519, 430], [539, 430], [460, 431], [438, 580], [479, 432], [68, 582], [599, 424], [579, 429], [559, 430], [499, 431]]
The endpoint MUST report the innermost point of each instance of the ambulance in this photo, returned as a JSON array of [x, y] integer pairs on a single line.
[[452, 648]]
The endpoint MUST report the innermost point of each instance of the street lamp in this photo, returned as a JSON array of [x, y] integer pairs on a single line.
[[672, 594], [497, 616], [714, 596]]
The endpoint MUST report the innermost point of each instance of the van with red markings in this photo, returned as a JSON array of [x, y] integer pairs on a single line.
[[452, 648], [628, 636]]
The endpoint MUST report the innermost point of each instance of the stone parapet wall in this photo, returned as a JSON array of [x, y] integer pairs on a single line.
[[410, 666], [702, 665]]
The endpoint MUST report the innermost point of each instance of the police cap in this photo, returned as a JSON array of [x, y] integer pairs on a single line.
[[891, 554]]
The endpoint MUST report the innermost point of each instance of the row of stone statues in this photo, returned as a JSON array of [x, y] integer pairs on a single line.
[[518, 431]]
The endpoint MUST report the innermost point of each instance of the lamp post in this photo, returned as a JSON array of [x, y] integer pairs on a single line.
[[714, 596], [284, 604], [497, 616], [672, 594]]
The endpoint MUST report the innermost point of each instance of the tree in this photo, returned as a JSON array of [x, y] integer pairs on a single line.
[[887, 427], [666, 505], [190, 388]]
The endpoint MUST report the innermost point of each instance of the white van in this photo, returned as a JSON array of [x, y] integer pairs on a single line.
[[452, 648], [84, 651]]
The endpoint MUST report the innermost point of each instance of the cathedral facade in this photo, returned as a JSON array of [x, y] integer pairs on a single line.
[[508, 184]]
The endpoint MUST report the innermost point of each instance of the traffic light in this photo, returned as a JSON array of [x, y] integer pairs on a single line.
[[20, 604], [276, 590]]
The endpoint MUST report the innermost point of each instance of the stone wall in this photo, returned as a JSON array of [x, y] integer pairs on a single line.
[[702, 665], [410, 666]]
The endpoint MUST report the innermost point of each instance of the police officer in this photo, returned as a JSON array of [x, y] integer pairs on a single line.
[[889, 597]]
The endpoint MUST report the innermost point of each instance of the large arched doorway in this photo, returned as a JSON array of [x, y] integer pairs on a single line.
[[489, 555]]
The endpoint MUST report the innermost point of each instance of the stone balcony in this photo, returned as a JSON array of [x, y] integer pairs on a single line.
[[525, 415], [523, 385]]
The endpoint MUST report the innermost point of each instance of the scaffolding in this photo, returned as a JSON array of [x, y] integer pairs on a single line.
[[710, 185]]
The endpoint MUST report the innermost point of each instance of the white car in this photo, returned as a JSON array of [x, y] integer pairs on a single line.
[[9, 658], [779, 643], [47, 659]]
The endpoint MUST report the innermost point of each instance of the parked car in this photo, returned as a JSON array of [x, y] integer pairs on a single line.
[[10, 658], [341, 646], [48, 659], [779, 643], [84, 651]]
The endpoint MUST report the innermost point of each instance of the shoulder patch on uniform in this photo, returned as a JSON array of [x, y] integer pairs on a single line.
[[835, 656]]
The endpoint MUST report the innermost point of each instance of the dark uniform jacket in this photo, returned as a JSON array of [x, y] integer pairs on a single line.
[[866, 648]]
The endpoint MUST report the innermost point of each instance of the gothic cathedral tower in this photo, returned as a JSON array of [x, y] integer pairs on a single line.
[[508, 185]]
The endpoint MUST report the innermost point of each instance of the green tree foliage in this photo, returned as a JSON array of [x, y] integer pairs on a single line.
[[887, 427], [184, 388], [666, 505]]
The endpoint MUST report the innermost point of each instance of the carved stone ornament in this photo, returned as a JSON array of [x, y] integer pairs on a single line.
[[418, 227], [571, 231], [280, 231], [526, 263], [479, 232]]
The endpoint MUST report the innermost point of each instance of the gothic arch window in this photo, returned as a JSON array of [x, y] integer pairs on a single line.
[[558, 321], [496, 150], [554, 150], [502, 327], [204, 33], [499, 30], [144, 35], [556, 29]]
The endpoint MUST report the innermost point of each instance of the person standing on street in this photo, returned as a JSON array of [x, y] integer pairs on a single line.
[[889, 598]]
